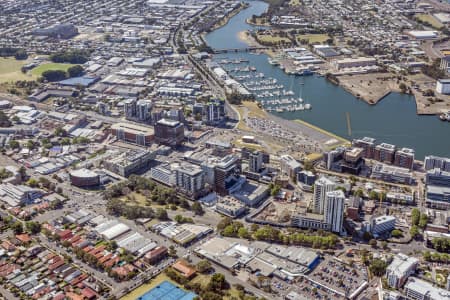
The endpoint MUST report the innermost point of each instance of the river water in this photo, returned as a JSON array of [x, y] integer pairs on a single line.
[[392, 120]]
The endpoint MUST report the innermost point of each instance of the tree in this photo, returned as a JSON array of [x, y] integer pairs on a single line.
[[59, 131], [75, 71], [197, 208], [71, 56], [373, 195], [415, 216], [161, 214], [224, 223], [23, 172], [54, 75], [243, 233], [17, 227], [414, 231], [359, 193], [30, 144], [172, 251], [423, 220], [217, 283], [21, 54], [33, 227], [32, 182], [396, 233], [4, 120], [377, 267], [203, 266], [402, 86], [13, 144], [178, 218]]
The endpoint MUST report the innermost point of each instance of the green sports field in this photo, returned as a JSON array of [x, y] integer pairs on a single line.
[[49, 66]]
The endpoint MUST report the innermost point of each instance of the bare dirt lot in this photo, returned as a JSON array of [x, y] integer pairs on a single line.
[[370, 87]]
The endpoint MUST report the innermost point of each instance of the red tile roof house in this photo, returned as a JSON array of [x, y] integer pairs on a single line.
[[65, 234], [88, 293], [23, 238]]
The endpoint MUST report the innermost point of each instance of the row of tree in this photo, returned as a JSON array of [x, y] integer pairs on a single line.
[[18, 53], [58, 75], [229, 228], [71, 56]]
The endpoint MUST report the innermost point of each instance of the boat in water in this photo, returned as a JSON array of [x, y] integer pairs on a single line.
[[445, 116], [273, 62]]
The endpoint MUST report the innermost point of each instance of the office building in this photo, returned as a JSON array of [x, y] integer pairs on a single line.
[[175, 114], [169, 132], [163, 174], [289, 166], [322, 186], [84, 178], [401, 267], [353, 161], [310, 221], [225, 174], [438, 177], [129, 109], [392, 174], [230, 206], [130, 162], [333, 156], [255, 161], [306, 180], [438, 197], [132, 133], [417, 289], [382, 224], [366, 143], [189, 178], [143, 110], [249, 193], [435, 162], [197, 110], [404, 158], [385, 153], [334, 210], [214, 111]]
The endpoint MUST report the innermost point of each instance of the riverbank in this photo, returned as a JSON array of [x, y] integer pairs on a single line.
[[227, 18], [245, 37]]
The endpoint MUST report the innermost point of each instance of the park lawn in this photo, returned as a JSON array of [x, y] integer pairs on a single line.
[[202, 279], [313, 38], [254, 110], [133, 295], [50, 66], [138, 199], [10, 70], [274, 39], [430, 19], [234, 294]]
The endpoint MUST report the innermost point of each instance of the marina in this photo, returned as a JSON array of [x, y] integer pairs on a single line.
[[271, 95], [391, 120]]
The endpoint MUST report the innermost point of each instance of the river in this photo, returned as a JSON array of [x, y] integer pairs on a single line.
[[393, 120]]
